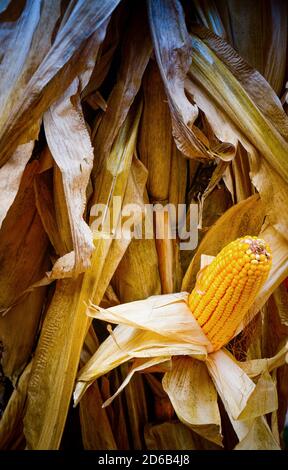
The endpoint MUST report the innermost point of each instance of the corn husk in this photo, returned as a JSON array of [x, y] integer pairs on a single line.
[[138, 337], [195, 404], [176, 436]]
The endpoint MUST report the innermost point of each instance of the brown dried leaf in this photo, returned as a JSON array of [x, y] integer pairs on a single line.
[[65, 60], [258, 33], [70, 145], [66, 323], [23, 243], [10, 177], [11, 425], [136, 50], [172, 47]]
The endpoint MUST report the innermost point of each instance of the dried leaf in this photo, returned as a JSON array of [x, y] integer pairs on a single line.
[[70, 145], [43, 427], [25, 49], [176, 436], [10, 177], [258, 34], [23, 243], [259, 437], [136, 276], [18, 330], [208, 14], [194, 397], [253, 105], [155, 138], [65, 60], [138, 407], [95, 427], [11, 421], [136, 50], [174, 54]]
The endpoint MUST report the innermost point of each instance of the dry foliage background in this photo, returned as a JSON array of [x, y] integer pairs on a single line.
[[160, 101]]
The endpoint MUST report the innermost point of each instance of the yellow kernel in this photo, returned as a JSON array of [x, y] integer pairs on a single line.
[[229, 285]]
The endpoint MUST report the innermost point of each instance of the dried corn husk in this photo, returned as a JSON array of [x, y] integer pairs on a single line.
[[195, 404], [138, 336], [176, 436]]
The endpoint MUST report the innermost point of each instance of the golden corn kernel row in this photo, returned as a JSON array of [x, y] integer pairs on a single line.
[[226, 289]]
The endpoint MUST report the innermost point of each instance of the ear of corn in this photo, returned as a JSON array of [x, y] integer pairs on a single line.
[[226, 289]]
